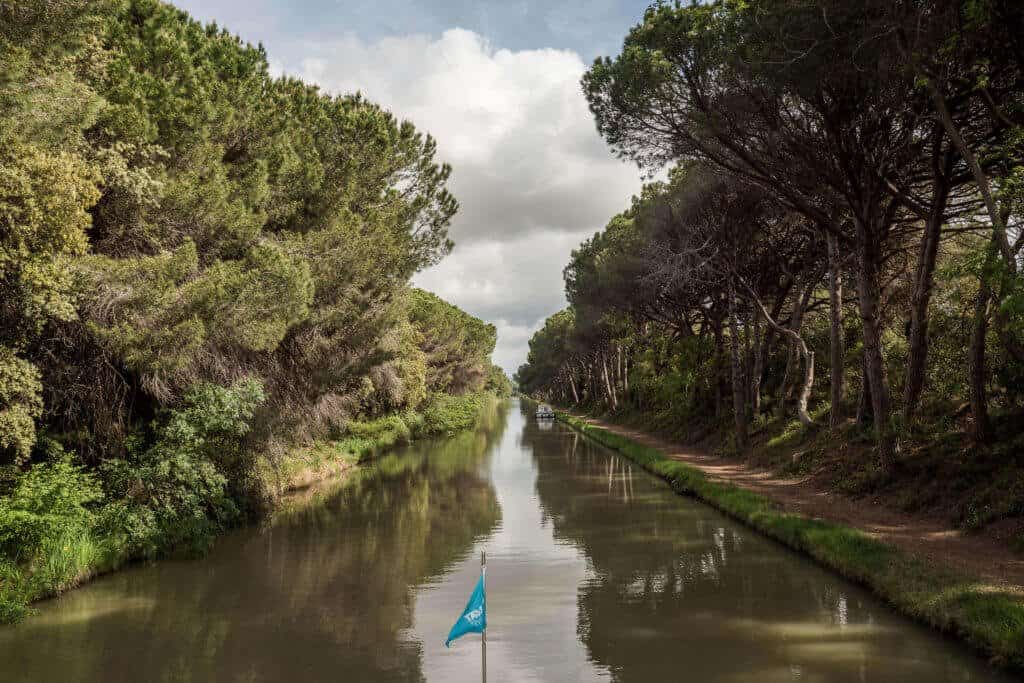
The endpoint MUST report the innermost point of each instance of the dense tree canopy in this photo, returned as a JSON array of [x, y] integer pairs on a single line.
[[201, 264], [844, 185]]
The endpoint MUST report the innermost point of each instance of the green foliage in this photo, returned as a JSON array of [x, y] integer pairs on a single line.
[[43, 219], [441, 415], [20, 404], [47, 185], [49, 500], [177, 491], [446, 414], [365, 438], [457, 345], [173, 218], [46, 532], [44, 198], [498, 382], [401, 382], [549, 348]]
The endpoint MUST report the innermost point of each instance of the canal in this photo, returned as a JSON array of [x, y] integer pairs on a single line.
[[596, 571]]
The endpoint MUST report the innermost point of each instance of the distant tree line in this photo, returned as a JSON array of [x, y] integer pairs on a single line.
[[839, 235]]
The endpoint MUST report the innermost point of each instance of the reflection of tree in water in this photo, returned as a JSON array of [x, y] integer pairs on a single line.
[[321, 592], [678, 593]]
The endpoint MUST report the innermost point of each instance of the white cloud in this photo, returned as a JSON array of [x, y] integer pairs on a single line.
[[531, 174], [513, 284]]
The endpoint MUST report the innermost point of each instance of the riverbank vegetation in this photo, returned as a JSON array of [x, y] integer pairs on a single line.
[[990, 620], [828, 277], [202, 268], [441, 415]]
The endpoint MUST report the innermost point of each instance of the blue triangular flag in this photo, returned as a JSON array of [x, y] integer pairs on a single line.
[[474, 617]]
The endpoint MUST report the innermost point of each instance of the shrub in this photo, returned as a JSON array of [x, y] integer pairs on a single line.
[[450, 414], [49, 500], [46, 533], [364, 438], [176, 492]]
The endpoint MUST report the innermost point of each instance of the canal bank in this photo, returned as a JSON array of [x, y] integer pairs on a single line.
[[988, 616], [597, 571], [365, 440], [79, 559]]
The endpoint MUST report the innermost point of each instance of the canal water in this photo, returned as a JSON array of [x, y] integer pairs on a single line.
[[596, 571]]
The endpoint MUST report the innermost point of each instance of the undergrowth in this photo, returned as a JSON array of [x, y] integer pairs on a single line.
[[60, 526]]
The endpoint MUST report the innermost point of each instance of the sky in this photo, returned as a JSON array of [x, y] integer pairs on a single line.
[[496, 82]]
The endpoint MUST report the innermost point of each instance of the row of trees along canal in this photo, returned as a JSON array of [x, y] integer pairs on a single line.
[[845, 185], [201, 266]]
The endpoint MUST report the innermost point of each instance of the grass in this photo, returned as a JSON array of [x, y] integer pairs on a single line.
[[940, 470], [63, 563], [364, 440], [987, 618], [71, 558]]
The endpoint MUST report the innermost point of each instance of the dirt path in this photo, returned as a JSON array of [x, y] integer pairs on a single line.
[[933, 539]]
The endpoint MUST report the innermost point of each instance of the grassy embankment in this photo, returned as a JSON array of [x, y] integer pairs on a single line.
[[364, 440], [85, 548], [941, 471], [990, 620]]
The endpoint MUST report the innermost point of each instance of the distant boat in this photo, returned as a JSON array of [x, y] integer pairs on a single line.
[[544, 412]]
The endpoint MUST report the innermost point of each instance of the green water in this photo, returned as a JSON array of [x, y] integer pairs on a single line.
[[596, 571]]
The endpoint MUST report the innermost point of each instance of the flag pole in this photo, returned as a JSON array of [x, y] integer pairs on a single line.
[[483, 634]]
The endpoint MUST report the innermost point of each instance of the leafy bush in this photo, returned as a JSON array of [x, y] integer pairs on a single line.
[[446, 414], [364, 438], [373, 429], [176, 492], [46, 533], [498, 382], [49, 501], [20, 404], [443, 414]]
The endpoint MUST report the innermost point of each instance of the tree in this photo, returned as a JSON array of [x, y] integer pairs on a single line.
[[47, 184], [786, 95]]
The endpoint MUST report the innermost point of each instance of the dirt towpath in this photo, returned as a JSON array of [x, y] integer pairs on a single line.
[[984, 555]]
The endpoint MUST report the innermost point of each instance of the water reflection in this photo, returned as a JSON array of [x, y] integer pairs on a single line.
[[678, 592], [596, 571], [324, 591]]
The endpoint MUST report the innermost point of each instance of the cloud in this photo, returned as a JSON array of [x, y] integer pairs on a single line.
[[514, 125], [514, 284], [590, 27], [532, 176]]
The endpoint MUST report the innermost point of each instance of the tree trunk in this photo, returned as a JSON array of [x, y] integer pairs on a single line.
[[618, 364], [716, 379], [981, 430], [626, 375], [798, 342], [612, 403], [590, 383], [917, 359], [796, 322], [572, 385], [739, 391], [869, 296], [999, 235], [758, 368], [1005, 329], [784, 391], [748, 359], [836, 351], [805, 391], [999, 218], [864, 414]]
